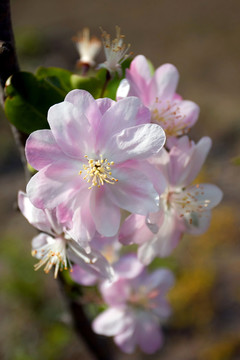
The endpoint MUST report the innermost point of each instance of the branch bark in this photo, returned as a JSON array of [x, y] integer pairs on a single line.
[[8, 58], [8, 66]]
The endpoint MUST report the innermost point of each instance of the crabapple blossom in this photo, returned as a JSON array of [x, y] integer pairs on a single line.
[[127, 265], [158, 93], [54, 247], [137, 305], [91, 163], [115, 51], [87, 47], [183, 207]]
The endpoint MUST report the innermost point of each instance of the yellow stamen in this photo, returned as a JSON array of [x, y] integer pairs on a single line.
[[98, 172]]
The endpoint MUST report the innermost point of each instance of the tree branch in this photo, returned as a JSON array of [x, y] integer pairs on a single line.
[[97, 345], [8, 58]]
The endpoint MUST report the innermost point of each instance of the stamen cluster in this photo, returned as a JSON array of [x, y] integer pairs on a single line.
[[116, 51], [98, 172]]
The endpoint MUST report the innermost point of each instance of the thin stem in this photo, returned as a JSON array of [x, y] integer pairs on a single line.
[[108, 77], [97, 345]]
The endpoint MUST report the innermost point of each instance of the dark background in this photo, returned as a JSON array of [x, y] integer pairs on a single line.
[[201, 38]]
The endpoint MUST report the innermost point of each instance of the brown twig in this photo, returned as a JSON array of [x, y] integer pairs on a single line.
[[8, 58], [97, 345], [9, 66]]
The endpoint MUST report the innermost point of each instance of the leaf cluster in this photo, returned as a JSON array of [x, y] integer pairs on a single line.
[[29, 96]]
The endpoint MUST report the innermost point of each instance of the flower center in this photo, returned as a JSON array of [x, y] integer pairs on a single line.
[[169, 116], [97, 172], [188, 203], [143, 299], [52, 254]]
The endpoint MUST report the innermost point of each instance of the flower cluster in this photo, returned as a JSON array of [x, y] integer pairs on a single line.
[[111, 173]]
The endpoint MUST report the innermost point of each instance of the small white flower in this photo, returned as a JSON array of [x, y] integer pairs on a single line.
[[87, 47], [55, 247], [115, 51]]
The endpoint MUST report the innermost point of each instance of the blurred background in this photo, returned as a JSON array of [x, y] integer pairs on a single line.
[[201, 38]]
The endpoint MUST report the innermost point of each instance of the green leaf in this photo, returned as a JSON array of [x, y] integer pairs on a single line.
[[90, 84], [126, 65], [57, 77], [28, 100]]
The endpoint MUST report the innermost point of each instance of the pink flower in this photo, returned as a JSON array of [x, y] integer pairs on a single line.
[[127, 265], [158, 93], [54, 247], [90, 162], [136, 308], [183, 207]]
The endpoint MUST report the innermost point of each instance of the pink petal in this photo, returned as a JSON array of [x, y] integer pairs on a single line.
[[35, 216], [164, 82], [104, 104], [106, 215], [143, 116], [138, 142], [54, 184], [139, 78], [70, 128], [83, 228], [128, 266], [148, 335], [140, 70], [160, 307], [134, 230], [118, 117], [91, 261], [196, 161], [111, 322], [190, 112], [161, 279], [133, 191], [163, 243], [127, 339], [115, 293], [83, 277], [86, 104], [42, 149]]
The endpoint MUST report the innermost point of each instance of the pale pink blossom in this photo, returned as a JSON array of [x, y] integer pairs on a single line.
[[53, 246], [183, 207], [91, 163], [137, 306], [127, 265], [158, 93]]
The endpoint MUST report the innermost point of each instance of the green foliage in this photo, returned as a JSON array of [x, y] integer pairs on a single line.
[[28, 100], [90, 84], [29, 96], [56, 77]]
